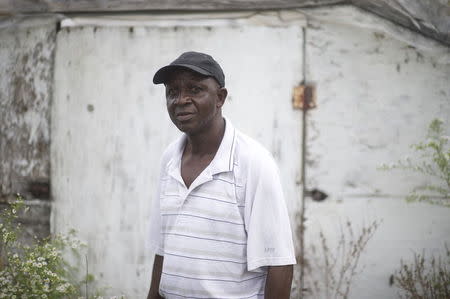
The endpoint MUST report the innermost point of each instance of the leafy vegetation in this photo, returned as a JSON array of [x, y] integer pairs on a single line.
[[38, 271], [427, 277], [433, 162]]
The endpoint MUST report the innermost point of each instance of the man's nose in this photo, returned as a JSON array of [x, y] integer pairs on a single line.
[[183, 98]]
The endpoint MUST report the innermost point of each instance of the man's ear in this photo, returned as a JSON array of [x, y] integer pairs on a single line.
[[221, 95]]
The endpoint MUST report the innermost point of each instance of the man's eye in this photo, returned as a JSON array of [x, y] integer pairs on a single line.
[[171, 93], [195, 89]]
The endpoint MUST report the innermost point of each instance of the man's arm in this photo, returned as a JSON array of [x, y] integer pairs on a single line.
[[156, 277], [278, 282]]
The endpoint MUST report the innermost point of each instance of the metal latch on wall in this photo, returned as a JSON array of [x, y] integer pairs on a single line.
[[304, 97], [316, 194]]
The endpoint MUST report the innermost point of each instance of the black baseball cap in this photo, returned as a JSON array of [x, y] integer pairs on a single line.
[[200, 63]]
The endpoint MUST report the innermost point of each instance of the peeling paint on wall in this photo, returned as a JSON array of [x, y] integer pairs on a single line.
[[107, 135], [26, 79], [26, 62]]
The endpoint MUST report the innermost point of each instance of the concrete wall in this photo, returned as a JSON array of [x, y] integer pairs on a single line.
[[378, 86], [26, 71], [110, 126], [377, 95]]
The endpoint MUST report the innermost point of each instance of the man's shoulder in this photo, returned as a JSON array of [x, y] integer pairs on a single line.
[[255, 163], [250, 150]]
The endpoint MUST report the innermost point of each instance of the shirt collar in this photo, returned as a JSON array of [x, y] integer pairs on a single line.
[[223, 161]]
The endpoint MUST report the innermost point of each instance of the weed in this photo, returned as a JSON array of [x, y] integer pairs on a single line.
[[331, 271]]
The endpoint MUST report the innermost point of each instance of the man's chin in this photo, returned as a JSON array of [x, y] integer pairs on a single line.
[[190, 129], [185, 128]]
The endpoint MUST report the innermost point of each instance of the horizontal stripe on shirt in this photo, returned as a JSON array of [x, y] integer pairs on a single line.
[[203, 253], [212, 198], [258, 296], [213, 279], [206, 218], [205, 259], [225, 181], [229, 274], [236, 235], [199, 208], [254, 296], [209, 239], [194, 288]]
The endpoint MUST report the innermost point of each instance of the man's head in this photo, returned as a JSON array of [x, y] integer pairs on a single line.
[[195, 91]]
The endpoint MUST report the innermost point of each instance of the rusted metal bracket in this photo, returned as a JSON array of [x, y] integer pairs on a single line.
[[304, 97]]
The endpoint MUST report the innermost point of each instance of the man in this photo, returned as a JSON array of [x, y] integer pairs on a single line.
[[220, 227]]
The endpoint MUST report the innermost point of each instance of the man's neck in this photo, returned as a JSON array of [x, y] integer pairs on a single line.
[[207, 142]]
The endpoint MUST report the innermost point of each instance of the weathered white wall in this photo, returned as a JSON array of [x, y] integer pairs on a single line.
[[376, 96], [26, 75], [26, 61], [378, 86], [109, 125]]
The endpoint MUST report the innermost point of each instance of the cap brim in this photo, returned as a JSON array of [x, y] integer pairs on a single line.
[[163, 73]]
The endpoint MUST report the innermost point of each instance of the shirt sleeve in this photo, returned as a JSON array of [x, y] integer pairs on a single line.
[[269, 236]]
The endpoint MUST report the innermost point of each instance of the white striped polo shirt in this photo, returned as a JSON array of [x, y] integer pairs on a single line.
[[218, 235]]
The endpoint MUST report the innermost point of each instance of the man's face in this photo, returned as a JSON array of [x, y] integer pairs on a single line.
[[193, 101]]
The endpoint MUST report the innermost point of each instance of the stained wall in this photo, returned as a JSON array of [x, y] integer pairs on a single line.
[[79, 113], [27, 47]]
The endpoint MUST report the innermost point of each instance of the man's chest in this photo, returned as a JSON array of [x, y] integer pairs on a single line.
[[192, 167], [212, 210]]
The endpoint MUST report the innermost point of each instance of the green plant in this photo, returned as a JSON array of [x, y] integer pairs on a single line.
[[425, 278], [331, 271], [40, 270], [434, 162]]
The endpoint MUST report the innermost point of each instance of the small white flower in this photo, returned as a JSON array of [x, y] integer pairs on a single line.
[[61, 288]]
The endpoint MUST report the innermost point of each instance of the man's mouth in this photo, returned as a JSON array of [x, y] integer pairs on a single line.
[[184, 116]]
